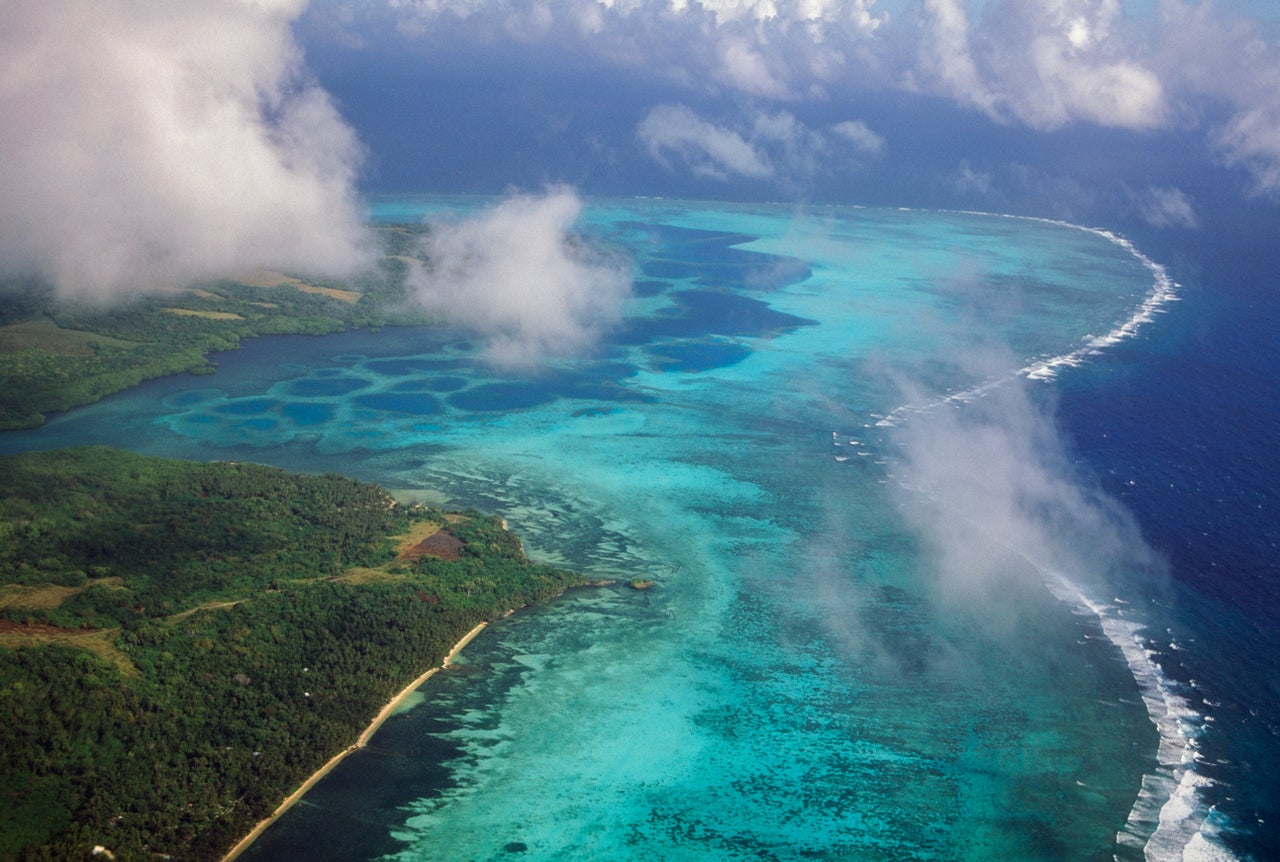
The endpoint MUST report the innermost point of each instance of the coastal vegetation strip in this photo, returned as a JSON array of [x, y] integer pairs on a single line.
[[181, 645]]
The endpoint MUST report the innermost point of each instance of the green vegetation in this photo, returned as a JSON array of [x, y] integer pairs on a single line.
[[182, 644], [55, 355]]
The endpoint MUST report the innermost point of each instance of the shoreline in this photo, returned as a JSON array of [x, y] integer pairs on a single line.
[[361, 741]]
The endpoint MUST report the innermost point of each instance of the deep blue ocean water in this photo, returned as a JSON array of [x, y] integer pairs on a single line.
[[924, 590], [1183, 426]]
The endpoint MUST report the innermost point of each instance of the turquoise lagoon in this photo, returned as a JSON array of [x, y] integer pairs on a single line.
[[801, 683]]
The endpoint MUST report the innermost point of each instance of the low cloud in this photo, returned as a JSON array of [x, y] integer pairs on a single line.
[[969, 180], [991, 490], [676, 132], [774, 146], [1167, 207], [518, 277], [861, 136], [147, 144]]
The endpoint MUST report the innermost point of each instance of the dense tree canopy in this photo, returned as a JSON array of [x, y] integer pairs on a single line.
[[182, 644]]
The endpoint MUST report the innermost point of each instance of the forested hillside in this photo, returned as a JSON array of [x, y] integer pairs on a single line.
[[181, 644]]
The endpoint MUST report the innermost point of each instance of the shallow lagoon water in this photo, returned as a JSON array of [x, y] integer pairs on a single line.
[[796, 685]]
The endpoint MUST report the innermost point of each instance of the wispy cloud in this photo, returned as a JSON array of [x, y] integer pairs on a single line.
[[993, 494], [1230, 61], [675, 131], [773, 146], [863, 138], [1167, 207], [145, 144], [519, 277]]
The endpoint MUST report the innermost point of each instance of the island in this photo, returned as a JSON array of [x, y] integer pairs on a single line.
[[182, 644]]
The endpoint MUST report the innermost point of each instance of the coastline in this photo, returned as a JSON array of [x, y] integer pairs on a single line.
[[244, 843]]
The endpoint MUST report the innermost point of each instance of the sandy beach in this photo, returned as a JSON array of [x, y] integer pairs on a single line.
[[361, 741]]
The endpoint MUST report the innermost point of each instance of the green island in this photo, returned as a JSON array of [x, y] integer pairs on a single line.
[[183, 644], [56, 354]]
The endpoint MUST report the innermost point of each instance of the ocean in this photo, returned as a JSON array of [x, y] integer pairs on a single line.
[[961, 527]]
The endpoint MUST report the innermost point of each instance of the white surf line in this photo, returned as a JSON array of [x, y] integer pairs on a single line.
[[1167, 819], [1163, 291], [1173, 828]]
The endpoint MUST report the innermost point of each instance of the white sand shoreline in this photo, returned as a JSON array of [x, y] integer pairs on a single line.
[[361, 742]]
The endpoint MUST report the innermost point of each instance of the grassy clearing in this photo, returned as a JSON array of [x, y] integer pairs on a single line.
[[43, 597], [100, 642], [419, 531], [268, 279], [207, 606], [43, 334], [360, 575], [209, 315]]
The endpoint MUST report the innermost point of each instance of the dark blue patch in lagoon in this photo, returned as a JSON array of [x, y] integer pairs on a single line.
[[742, 269], [593, 411], [192, 397], [496, 397], [406, 366], [711, 259], [648, 288], [447, 384], [410, 386], [697, 355], [413, 404], [776, 273], [431, 384], [247, 406], [306, 414], [700, 313], [606, 391], [327, 387], [262, 424], [670, 269]]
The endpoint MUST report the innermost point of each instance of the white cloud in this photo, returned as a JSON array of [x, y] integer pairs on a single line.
[[148, 143], [1230, 60], [775, 49], [766, 145], [707, 149], [996, 501], [1042, 64], [1167, 207], [746, 70], [969, 180], [518, 277], [862, 137], [946, 54]]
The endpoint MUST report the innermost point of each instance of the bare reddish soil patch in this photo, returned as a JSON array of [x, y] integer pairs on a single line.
[[441, 545]]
